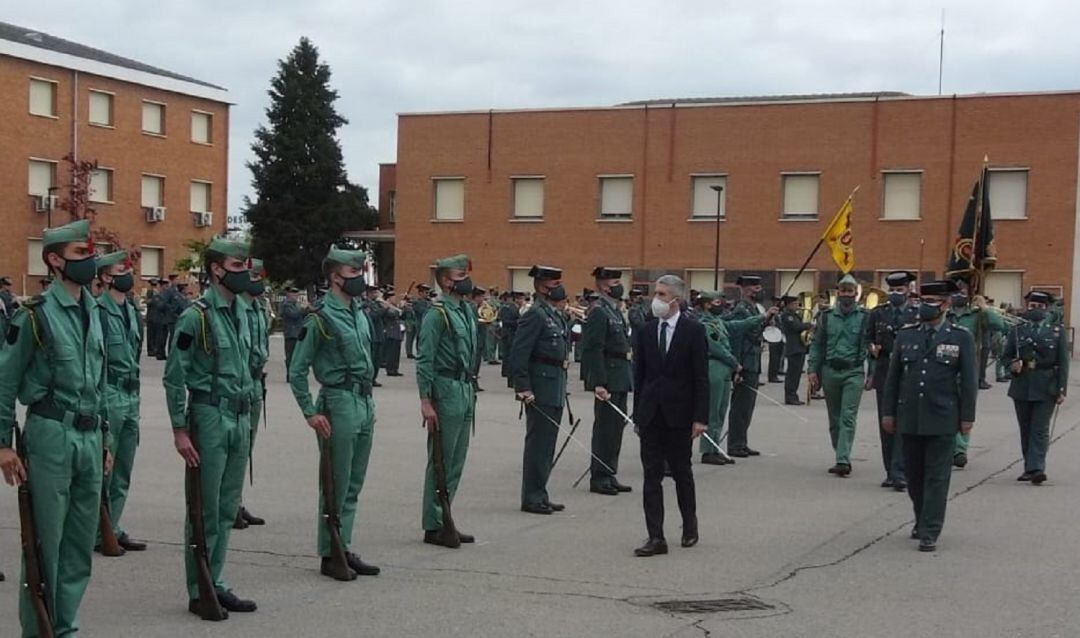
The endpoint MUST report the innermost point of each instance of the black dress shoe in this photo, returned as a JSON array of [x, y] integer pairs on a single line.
[[689, 540], [619, 487], [887, 483], [250, 518], [194, 607], [899, 486], [984, 385], [239, 523], [818, 397], [535, 508], [960, 460], [752, 452], [738, 452], [409, 356], [376, 384], [231, 602], [762, 385], [915, 533], [712, 459], [555, 507], [394, 374], [927, 545], [326, 568], [129, 545], [774, 380], [466, 538], [444, 539], [835, 469], [793, 402], [1038, 477], [97, 548], [840, 469], [359, 566], [652, 547], [607, 490], [1026, 476]]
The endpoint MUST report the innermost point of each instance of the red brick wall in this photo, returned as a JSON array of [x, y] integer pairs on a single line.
[[387, 189], [124, 148]]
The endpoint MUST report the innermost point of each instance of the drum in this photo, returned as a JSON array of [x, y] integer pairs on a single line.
[[772, 334]]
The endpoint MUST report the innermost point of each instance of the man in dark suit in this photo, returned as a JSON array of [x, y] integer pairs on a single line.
[[671, 407]]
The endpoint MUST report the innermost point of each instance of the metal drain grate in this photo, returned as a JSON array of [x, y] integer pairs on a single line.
[[718, 605]]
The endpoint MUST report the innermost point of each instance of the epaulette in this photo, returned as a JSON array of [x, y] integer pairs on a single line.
[[910, 326]]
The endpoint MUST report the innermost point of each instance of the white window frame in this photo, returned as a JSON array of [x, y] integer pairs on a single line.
[[435, 181], [161, 190], [164, 115], [161, 261], [1010, 271], [688, 277], [54, 115], [884, 188], [813, 273], [711, 215], [510, 270], [613, 217], [209, 127], [111, 179], [112, 108], [514, 179], [52, 181], [209, 196], [798, 215], [1027, 190]]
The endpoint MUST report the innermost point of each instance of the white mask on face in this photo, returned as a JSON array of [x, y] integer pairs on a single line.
[[660, 308]]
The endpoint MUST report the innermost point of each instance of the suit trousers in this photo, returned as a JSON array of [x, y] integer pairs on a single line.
[[743, 399], [660, 444], [928, 460], [1034, 420], [793, 376]]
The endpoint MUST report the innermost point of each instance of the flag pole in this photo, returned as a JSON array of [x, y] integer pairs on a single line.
[[817, 246], [978, 268]]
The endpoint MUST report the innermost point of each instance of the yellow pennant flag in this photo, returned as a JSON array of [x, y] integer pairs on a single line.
[[838, 237]]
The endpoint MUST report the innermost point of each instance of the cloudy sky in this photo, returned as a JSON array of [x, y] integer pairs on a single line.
[[391, 56]]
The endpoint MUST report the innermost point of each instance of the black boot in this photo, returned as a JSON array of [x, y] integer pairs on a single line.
[[250, 518]]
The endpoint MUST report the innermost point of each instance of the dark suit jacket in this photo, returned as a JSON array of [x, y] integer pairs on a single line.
[[676, 385]]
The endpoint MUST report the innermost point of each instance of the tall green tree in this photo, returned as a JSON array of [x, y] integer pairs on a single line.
[[303, 199]]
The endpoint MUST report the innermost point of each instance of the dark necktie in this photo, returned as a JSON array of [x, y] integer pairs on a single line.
[[663, 338]]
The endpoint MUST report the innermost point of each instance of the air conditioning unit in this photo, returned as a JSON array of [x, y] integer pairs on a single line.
[[202, 220], [154, 213], [45, 203]]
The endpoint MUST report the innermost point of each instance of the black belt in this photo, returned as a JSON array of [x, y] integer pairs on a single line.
[[456, 375], [362, 388], [49, 410], [128, 384], [841, 364], [550, 361], [612, 354], [236, 405]]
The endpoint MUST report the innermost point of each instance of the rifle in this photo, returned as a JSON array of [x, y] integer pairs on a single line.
[[209, 607], [34, 581], [340, 565], [109, 545], [448, 535]]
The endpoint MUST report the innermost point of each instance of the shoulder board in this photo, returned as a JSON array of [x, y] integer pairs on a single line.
[[957, 326], [436, 304], [910, 326], [201, 305], [36, 300]]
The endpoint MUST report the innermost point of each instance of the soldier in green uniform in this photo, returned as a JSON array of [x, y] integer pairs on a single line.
[[884, 323], [1038, 350], [837, 354], [393, 334], [605, 366], [292, 321], [172, 305], [972, 315], [746, 346], [65, 431], [414, 314], [793, 327], [447, 347], [508, 317], [336, 341], [489, 309], [373, 307], [259, 324], [538, 362], [208, 383], [120, 326], [930, 394], [155, 320]]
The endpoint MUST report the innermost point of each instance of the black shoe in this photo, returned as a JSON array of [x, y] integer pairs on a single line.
[[359, 566], [239, 523], [728, 461], [250, 518], [915, 533], [840, 469], [466, 538], [438, 537], [555, 507], [793, 402], [751, 452], [160, 357], [712, 459], [327, 568], [652, 547], [689, 539], [97, 548], [607, 490], [960, 460], [1038, 477], [886, 483], [2, 577], [376, 384], [619, 487], [231, 602], [479, 389], [194, 607], [984, 385], [129, 545], [1026, 476], [741, 453], [762, 385], [394, 374], [774, 380], [494, 363], [535, 508], [900, 486], [927, 545], [410, 356], [818, 397], [835, 469]]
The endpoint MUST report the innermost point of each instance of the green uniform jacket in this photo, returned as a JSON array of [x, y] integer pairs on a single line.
[[258, 322], [605, 348], [447, 346], [1044, 349], [719, 343], [219, 335], [336, 341], [292, 319], [392, 324], [971, 318], [123, 339], [839, 338], [76, 376], [932, 382], [538, 356], [792, 325], [746, 341], [375, 315]]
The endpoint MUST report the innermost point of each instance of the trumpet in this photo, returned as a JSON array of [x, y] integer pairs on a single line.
[[576, 312], [1011, 320]]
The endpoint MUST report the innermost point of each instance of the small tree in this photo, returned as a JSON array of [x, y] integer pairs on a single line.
[[77, 202]]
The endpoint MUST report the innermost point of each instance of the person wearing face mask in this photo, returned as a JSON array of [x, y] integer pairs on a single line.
[[208, 384], [746, 346], [1038, 351], [837, 353], [375, 309], [336, 341], [930, 393], [64, 432], [885, 322], [605, 366], [122, 330], [508, 317], [258, 321], [794, 349], [447, 350]]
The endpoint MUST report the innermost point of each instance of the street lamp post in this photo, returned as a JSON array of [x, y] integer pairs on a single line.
[[716, 251]]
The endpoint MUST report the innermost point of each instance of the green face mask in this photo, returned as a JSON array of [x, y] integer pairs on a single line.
[[256, 288], [124, 282], [354, 286], [80, 271], [236, 282]]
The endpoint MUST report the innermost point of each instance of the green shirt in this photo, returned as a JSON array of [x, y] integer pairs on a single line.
[[123, 338], [260, 337], [447, 342], [839, 338]]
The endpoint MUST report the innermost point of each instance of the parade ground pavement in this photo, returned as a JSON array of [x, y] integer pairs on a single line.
[[787, 550]]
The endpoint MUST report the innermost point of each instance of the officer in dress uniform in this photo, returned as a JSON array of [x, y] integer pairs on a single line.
[[971, 314], [509, 314], [776, 352], [375, 311], [793, 326], [292, 321], [746, 346], [1038, 350], [414, 314], [538, 362], [930, 394], [259, 324], [394, 332], [885, 322]]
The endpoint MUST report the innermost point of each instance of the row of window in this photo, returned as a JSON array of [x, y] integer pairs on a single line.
[[101, 112], [800, 199], [150, 265], [42, 182]]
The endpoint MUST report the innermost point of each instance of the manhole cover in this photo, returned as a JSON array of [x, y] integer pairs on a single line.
[[718, 605]]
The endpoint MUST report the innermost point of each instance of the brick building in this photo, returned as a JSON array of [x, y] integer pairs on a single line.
[[160, 140], [629, 186]]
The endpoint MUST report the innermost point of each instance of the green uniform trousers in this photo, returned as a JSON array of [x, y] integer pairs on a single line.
[[290, 345], [741, 412], [719, 398], [223, 442], [928, 461], [540, 438], [123, 410], [454, 406], [491, 345], [64, 465], [410, 341], [607, 437], [843, 390], [1034, 420], [352, 423]]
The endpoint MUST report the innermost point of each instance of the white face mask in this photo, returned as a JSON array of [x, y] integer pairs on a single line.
[[660, 308]]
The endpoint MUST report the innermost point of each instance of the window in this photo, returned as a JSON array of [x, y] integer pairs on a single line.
[[703, 197], [150, 264], [805, 283], [520, 281], [449, 199], [702, 279], [528, 197], [1005, 286], [201, 127], [101, 108], [35, 266], [1008, 193], [900, 198], [42, 99], [153, 118], [392, 196], [616, 197], [800, 195], [200, 197], [101, 181], [42, 177], [153, 190]]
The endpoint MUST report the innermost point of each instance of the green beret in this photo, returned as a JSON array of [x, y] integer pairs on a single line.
[[848, 280], [346, 257], [709, 295], [457, 262], [105, 261], [75, 231], [229, 247]]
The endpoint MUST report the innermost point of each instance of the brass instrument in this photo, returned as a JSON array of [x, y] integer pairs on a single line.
[[1011, 320], [486, 313], [576, 312], [806, 314], [873, 297]]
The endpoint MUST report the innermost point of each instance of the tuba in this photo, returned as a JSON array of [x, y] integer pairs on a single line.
[[873, 297], [486, 313]]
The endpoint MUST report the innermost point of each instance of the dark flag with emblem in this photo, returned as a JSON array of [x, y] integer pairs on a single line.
[[973, 251]]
